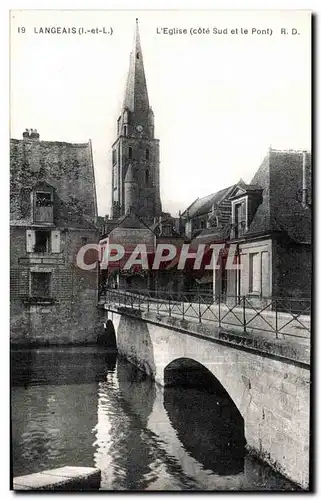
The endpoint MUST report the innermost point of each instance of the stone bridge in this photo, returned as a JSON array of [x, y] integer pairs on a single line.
[[268, 381]]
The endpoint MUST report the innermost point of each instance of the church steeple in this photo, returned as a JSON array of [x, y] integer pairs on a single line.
[[135, 171], [136, 95]]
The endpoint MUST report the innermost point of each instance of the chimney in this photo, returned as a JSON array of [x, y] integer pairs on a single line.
[[34, 134], [304, 179]]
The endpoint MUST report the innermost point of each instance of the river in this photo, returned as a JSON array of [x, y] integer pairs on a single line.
[[88, 407]]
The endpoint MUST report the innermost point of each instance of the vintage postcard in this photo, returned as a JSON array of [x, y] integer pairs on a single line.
[[160, 250]]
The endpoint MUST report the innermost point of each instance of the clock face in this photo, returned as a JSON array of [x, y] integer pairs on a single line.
[[139, 128]]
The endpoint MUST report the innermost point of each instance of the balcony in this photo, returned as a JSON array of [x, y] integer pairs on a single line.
[[43, 214]]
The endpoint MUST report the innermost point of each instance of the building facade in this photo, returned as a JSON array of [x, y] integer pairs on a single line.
[[53, 213], [267, 225], [271, 224], [135, 153]]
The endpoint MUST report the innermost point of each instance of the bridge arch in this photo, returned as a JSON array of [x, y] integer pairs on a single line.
[[263, 387], [205, 417], [107, 336]]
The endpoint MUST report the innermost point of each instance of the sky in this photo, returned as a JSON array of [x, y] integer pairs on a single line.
[[220, 100]]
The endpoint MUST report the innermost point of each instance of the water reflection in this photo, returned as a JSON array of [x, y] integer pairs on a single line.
[[53, 423], [80, 407], [60, 366], [54, 406]]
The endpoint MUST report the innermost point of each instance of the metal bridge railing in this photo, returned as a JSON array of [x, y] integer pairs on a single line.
[[280, 316]]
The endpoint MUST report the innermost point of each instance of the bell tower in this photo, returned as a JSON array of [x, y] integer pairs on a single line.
[[135, 153]]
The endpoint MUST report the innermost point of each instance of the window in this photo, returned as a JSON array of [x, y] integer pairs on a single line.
[[115, 179], [265, 266], [125, 130], [43, 199], [147, 177], [137, 55], [43, 206], [40, 284], [130, 152], [239, 219], [255, 272], [147, 154], [114, 156], [42, 241]]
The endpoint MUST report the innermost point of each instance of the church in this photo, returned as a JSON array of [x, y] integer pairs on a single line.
[[136, 208], [135, 153]]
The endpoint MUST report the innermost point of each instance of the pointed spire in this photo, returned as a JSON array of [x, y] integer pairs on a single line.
[[136, 96]]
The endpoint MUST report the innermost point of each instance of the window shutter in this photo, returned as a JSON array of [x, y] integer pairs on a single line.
[[55, 241], [30, 240]]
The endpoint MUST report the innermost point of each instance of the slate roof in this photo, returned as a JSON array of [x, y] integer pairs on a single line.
[[66, 167], [281, 210], [129, 221], [202, 206], [279, 177]]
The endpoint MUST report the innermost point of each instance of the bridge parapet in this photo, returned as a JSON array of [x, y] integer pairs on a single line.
[[236, 319]]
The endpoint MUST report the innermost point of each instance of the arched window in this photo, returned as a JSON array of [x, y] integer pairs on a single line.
[[147, 176], [125, 130], [137, 55], [147, 154], [130, 152]]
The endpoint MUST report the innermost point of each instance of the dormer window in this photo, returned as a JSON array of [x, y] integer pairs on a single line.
[[239, 217], [43, 205]]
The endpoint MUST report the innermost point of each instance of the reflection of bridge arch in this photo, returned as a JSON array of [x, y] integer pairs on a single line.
[[212, 428]]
